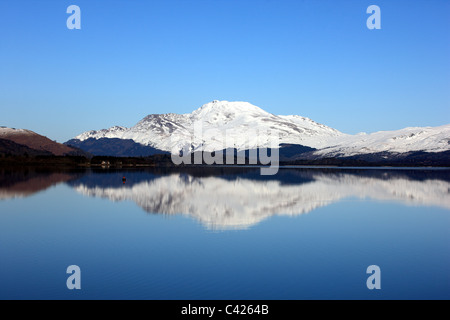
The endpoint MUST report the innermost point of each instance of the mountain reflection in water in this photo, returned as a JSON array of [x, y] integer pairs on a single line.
[[238, 198]]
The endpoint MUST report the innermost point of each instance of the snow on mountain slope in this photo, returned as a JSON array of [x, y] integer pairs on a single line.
[[6, 132], [429, 139], [172, 132], [241, 120], [113, 132]]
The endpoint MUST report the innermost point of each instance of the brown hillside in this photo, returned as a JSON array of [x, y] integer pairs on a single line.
[[35, 141]]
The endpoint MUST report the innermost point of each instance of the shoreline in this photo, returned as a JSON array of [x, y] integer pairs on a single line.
[[165, 161]]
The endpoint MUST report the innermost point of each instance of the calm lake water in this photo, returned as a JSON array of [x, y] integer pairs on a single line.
[[225, 233]]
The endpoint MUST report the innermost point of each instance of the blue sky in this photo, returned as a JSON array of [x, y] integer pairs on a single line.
[[312, 58]]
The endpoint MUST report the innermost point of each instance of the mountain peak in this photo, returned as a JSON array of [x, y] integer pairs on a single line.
[[173, 131], [8, 131], [229, 107]]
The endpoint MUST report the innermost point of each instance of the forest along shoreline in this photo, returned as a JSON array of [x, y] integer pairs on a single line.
[[164, 160]]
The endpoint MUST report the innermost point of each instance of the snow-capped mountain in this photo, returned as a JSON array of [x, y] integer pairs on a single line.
[[244, 126], [171, 132]]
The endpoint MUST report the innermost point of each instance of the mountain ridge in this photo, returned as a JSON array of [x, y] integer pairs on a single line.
[[172, 132]]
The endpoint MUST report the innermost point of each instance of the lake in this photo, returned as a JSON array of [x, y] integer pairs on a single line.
[[225, 233]]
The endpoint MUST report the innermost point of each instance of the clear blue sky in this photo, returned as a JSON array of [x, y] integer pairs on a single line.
[[312, 58]]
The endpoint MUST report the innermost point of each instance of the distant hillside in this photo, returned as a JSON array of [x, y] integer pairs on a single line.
[[114, 147], [8, 147], [21, 142]]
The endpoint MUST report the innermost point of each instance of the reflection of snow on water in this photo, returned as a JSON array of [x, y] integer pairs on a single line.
[[238, 204]]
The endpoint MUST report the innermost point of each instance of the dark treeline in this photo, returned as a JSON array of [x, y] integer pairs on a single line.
[[50, 160], [418, 159], [81, 161]]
